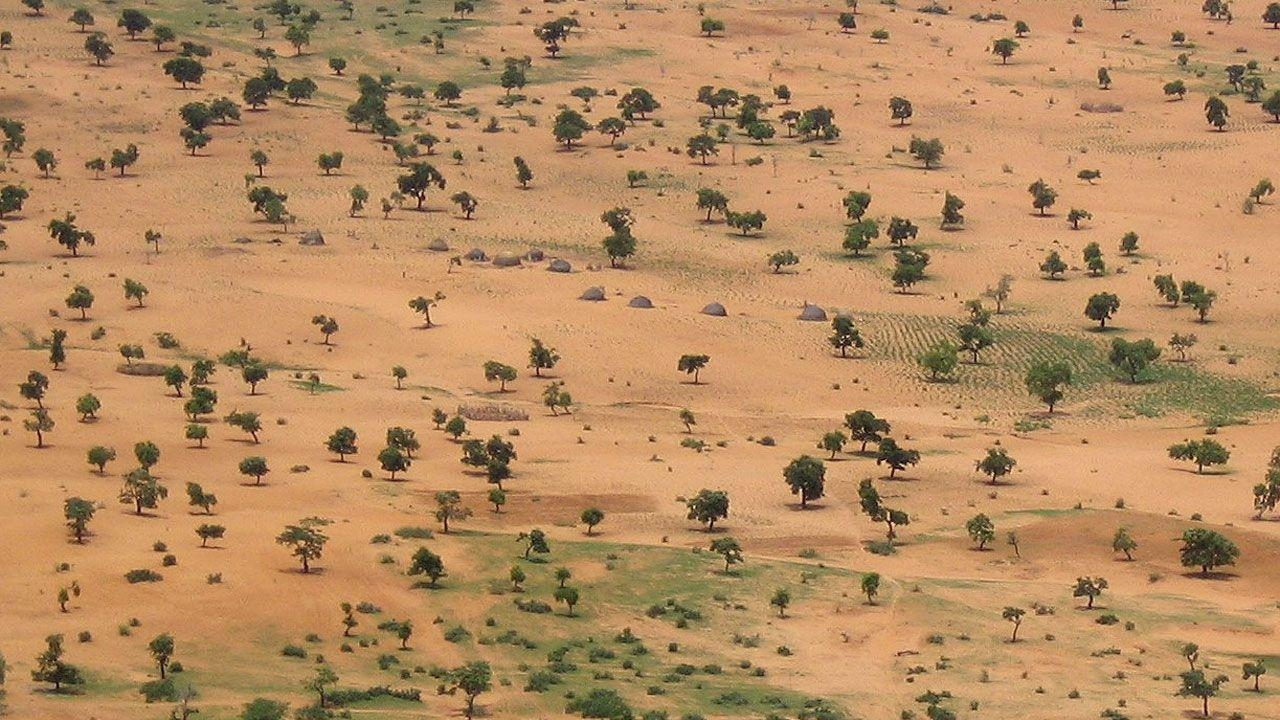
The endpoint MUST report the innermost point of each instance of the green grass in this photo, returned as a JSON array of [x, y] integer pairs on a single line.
[[322, 387]]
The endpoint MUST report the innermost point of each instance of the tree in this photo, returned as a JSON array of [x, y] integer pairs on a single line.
[[1124, 542], [1004, 48], [996, 464], [359, 196], [858, 236], [142, 490], [81, 17], [1207, 549], [264, 709], [466, 202], [45, 160], [1202, 453], [708, 506], [472, 679], [420, 178], [974, 338], [871, 586], [78, 513], [99, 456], [298, 36], [318, 683], [619, 245], [12, 197], [591, 517], [908, 268], [88, 405], [1045, 380], [99, 47], [729, 549], [393, 460], [256, 92], [1042, 196], [900, 109], [305, 541], [1133, 358], [448, 92], [692, 365], [569, 127], [1255, 670], [423, 305], [427, 563], [1271, 106], [928, 152], [535, 541], [449, 507], [254, 373], [845, 335], [175, 377], [939, 361], [39, 423], [456, 426], [133, 21], [184, 70], [1013, 615], [951, 207], [1196, 684], [343, 443], [702, 146], [161, 648], [349, 621], [523, 174], [131, 353], [327, 325], [1272, 15], [1100, 308], [896, 458], [781, 599], [35, 387], [981, 530], [865, 427], [806, 476], [207, 532], [745, 222], [555, 396], [1076, 215], [1201, 300], [1089, 587], [134, 290], [65, 232], [299, 89], [50, 667], [1216, 112], [900, 230], [1104, 78], [254, 466], [567, 595], [197, 497], [1264, 188], [712, 201], [202, 402]]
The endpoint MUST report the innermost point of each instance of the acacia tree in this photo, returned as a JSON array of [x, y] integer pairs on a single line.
[[1202, 453], [305, 540], [996, 464], [1206, 549], [729, 549], [692, 365], [806, 476], [1089, 587], [708, 506], [423, 304], [1046, 380], [78, 513], [896, 458]]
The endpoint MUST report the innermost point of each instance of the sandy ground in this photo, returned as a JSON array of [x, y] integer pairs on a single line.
[[1165, 175]]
